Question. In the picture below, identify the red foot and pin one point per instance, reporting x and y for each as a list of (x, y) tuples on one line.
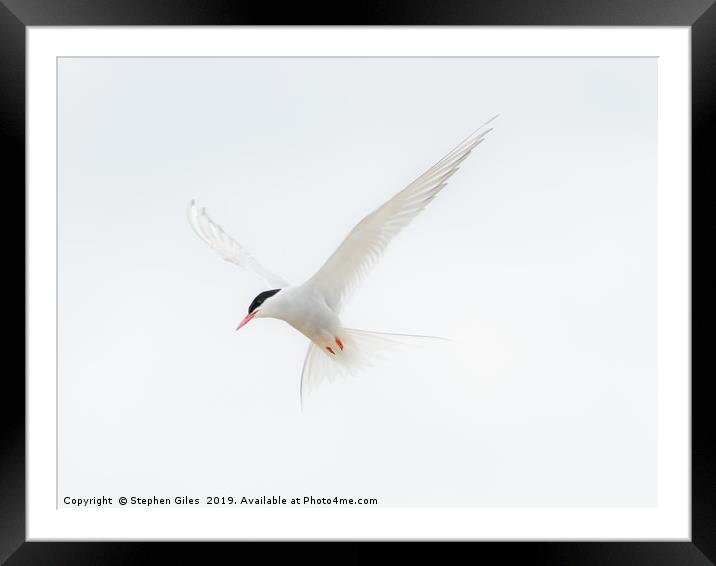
[(330, 350), (338, 341)]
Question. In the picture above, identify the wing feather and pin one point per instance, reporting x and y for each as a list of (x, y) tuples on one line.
[(228, 248), (344, 270)]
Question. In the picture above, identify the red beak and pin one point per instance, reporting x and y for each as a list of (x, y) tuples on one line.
[(247, 318)]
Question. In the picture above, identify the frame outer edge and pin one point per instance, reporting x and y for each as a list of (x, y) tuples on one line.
[(703, 108), (12, 440), (12, 412)]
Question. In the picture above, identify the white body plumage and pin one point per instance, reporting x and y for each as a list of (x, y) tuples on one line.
[(304, 307)]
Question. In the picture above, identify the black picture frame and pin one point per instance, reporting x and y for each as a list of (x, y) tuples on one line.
[(17, 15)]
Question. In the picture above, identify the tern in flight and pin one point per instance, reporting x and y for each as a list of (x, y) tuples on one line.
[(313, 307)]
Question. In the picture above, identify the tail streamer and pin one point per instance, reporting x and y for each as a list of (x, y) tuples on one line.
[(362, 349)]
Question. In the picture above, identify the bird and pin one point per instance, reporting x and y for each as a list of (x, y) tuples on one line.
[(314, 307)]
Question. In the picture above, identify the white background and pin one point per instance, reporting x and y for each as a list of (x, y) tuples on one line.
[(668, 519), (539, 259)]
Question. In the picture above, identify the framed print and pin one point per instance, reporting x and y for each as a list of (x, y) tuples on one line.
[(455, 296)]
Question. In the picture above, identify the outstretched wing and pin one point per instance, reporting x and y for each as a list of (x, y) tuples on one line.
[(345, 268), (228, 248)]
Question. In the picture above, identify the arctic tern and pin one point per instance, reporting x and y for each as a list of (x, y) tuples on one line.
[(313, 307)]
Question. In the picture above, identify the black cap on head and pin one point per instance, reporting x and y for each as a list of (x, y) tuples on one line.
[(260, 298)]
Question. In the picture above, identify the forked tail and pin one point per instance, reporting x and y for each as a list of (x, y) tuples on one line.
[(361, 349)]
